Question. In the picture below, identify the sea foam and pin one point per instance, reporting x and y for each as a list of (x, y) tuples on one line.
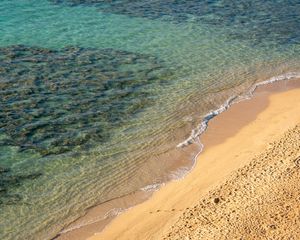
[(200, 129)]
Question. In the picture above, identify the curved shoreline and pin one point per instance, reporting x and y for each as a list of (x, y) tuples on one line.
[(130, 212), (258, 201), (202, 129), (196, 133)]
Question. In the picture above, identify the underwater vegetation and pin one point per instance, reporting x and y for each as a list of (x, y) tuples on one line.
[(55, 100), (8, 180), (256, 20)]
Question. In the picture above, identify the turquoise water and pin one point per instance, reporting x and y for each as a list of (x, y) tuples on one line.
[(96, 94)]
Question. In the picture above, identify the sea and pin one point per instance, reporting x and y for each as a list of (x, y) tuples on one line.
[(100, 99)]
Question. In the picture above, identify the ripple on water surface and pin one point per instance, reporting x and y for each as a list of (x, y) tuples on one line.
[(90, 122)]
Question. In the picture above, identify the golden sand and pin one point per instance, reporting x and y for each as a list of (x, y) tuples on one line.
[(244, 185), (258, 201)]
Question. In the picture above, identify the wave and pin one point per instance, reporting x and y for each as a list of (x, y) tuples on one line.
[(200, 129), (110, 214), (152, 187), (193, 138)]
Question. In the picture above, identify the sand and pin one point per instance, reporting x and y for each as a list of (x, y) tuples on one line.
[(259, 201), (244, 185)]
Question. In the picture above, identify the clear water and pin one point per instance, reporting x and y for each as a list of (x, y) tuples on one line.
[(94, 94)]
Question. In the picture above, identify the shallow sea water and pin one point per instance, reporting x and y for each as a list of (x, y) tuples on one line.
[(95, 96)]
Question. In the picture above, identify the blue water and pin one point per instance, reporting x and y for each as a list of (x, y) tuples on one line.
[(96, 94)]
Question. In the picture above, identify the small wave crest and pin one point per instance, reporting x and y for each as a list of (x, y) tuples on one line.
[(152, 187), (200, 129), (203, 125), (111, 213), (193, 138)]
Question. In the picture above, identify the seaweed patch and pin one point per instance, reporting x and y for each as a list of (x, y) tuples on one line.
[(55, 100), (253, 20), (9, 180)]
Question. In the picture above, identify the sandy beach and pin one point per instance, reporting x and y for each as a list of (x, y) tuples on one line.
[(244, 184), (149, 120)]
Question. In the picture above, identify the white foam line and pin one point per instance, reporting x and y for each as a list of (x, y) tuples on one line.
[(282, 77), (193, 138), (203, 125), (152, 187), (111, 213), (197, 132)]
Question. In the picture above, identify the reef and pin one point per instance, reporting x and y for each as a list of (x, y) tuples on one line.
[(9, 180), (55, 100), (257, 20)]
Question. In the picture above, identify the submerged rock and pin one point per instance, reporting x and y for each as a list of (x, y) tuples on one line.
[(256, 20), (8, 180), (55, 100)]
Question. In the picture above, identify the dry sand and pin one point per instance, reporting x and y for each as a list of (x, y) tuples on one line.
[(258, 201), (244, 185)]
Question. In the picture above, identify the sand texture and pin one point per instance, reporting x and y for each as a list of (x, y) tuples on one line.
[(259, 201), (244, 185)]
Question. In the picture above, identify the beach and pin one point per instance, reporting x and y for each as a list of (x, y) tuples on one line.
[(118, 117), (244, 183)]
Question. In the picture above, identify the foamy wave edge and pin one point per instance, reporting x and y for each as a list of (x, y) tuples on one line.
[(201, 128), (193, 138), (111, 213)]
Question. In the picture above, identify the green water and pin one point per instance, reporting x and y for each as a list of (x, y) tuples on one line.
[(94, 95)]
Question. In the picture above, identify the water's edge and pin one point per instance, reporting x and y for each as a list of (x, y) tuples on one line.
[(194, 138)]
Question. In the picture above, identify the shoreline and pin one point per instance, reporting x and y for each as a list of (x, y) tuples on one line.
[(257, 201), (169, 202), (209, 140)]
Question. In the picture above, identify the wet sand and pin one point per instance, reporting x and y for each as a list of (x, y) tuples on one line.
[(258, 201), (241, 181)]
